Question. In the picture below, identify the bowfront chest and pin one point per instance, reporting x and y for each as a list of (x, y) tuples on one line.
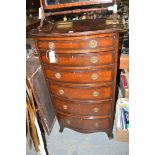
[(82, 80)]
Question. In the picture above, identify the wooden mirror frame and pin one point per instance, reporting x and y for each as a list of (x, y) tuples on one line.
[(72, 4)]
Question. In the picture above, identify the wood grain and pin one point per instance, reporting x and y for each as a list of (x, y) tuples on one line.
[(82, 82)]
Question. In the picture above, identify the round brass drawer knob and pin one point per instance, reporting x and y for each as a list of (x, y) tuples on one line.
[(68, 122), (93, 43), (58, 75), (94, 76), (96, 110), (51, 45), (97, 124), (61, 91), (93, 59), (65, 107), (95, 93)]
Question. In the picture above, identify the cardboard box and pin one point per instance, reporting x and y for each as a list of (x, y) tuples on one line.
[(122, 135)]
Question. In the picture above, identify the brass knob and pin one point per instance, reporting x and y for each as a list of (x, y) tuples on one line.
[(94, 76), (51, 45), (68, 122), (93, 59), (93, 43), (58, 75), (96, 110), (97, 124), (65, 107), (95, 93), (61, 91)]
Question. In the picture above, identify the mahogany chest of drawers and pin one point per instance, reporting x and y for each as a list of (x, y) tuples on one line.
[(82, 81)]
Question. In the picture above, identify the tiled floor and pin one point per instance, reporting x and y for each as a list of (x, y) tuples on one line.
[(73, 143)]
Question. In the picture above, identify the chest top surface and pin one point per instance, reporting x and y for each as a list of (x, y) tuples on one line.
[(75, 28)]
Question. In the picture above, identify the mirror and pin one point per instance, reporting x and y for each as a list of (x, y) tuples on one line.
[(53, 2)]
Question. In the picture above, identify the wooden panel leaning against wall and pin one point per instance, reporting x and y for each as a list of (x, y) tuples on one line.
[(36, 83)]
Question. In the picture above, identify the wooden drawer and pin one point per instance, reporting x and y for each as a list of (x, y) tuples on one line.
[(80, 76), (80, 43), (83, 108), (84, 124), (81, 92), (87, 59)]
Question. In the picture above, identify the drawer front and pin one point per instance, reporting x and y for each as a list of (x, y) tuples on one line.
[(87, 59), (84, 93), (84, 124), (59, 46), (80, 76), (83, 108)]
